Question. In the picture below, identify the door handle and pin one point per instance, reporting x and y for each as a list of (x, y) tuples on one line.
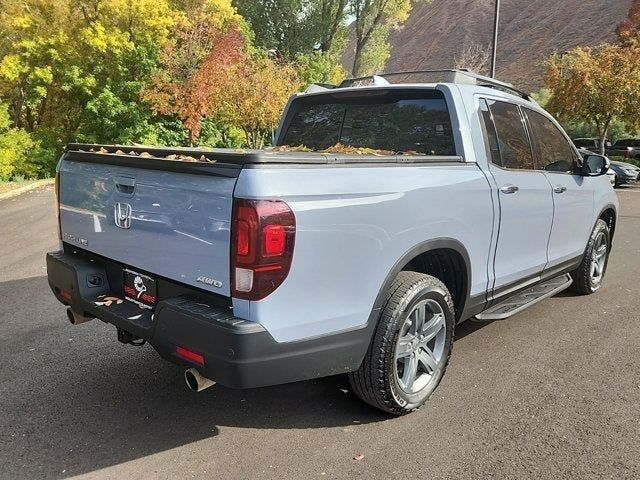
[(559, 189), (509, 189)]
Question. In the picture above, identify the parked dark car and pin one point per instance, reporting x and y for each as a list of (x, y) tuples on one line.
[(625, 147), (626, 173), (592, 144)]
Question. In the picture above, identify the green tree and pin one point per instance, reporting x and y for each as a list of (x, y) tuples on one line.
[(293, 27), (16, 147), (319, 67), (373, 20), (74, 69)]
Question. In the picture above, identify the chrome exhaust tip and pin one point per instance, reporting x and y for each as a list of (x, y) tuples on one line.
[(195, 381), (75, 318)]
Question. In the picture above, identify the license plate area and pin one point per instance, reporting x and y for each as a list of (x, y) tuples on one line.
[(140, 289)]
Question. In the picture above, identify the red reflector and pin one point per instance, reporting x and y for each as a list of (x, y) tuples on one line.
[(267, 268), (66, 295), (274, 240), (190, 355)]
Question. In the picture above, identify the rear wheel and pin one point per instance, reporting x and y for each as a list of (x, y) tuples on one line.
[(587, 278), (411, 346)]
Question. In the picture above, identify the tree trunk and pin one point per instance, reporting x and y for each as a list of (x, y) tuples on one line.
[(602, 134), (356, 71), (602, 139)]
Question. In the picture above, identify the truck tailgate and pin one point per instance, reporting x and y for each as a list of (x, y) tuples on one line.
[(173, 222)]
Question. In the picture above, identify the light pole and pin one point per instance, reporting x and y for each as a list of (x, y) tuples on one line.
[(496, 21)]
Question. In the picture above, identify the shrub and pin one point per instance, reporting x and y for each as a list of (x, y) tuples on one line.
[(16, 148)]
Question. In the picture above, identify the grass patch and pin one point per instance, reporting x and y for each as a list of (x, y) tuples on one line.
[(9, 186)]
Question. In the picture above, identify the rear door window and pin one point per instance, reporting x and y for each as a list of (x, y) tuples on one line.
[(513, 140), (490, 135), (412, 122)]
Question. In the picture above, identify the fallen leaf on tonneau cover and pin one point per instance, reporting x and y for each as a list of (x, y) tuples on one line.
[(288, 148), (348, 149)]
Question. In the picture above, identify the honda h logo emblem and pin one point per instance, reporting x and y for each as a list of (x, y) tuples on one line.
[(122, 215)]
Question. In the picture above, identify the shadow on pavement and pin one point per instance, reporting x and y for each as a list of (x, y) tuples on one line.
[(467, 328), (74, 400)]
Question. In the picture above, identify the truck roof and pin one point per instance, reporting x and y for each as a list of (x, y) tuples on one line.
[(406, 79)]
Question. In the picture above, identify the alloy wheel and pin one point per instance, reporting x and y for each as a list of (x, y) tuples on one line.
[(598, 259), (420, 349)]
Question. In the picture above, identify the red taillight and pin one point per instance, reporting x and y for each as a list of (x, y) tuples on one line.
[(273, 240), (190, 355), (263, 237)]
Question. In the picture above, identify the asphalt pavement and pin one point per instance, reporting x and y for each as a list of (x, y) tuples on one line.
[(553, 392)]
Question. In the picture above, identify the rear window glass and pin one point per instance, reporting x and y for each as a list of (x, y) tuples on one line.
[(398, 122)]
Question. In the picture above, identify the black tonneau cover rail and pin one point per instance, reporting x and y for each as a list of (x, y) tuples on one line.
[(200, 160)]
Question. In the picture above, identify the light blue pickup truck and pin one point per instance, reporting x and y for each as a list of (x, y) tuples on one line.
[(388, 211)]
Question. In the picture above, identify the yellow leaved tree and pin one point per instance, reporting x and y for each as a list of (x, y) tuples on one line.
[(596, 85), (254, 95)]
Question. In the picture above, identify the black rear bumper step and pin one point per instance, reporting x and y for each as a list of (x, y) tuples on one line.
[(238, 353)]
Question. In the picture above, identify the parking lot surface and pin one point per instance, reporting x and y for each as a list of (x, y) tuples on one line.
[(553, 392)]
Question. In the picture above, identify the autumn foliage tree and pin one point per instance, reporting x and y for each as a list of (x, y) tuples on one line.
[(599, 85), (208, 41), (629, 30), (254, 96), (193, 67)]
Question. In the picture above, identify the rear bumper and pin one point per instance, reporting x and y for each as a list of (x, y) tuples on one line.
[(238, 353)]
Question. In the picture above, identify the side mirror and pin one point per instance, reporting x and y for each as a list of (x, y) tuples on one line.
[(594, 165)]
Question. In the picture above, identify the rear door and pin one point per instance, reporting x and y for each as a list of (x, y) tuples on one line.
[(166, 223), (526, 204), (572, 194)]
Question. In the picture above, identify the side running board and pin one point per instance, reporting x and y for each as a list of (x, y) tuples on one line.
[(525, 299)]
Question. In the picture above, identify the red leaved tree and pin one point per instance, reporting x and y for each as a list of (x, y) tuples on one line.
[(629, 31), (193, 66)]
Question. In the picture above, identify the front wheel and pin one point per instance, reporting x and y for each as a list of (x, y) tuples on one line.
[(587, 278), (411, 346)]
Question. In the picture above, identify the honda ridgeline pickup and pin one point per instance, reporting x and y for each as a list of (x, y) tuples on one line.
[(385, 214)]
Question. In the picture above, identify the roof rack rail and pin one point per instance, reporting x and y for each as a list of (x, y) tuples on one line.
[(459, 76), (373, 80)]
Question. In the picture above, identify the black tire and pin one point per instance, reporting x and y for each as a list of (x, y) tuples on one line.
[(376, 381), (583, 280)]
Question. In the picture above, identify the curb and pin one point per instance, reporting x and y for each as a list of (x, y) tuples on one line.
[(27, 188)]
